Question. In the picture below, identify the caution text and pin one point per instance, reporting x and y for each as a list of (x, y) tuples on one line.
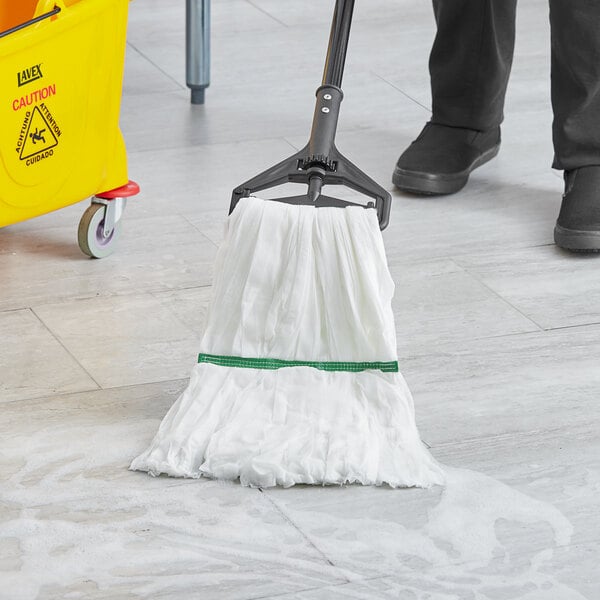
[(34, 97)]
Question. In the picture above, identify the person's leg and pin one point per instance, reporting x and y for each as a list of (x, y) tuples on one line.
[(575, 26), (470, 61), (575, 82), (469, 66)]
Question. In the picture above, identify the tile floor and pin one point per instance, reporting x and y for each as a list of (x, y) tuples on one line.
[(499, 339)]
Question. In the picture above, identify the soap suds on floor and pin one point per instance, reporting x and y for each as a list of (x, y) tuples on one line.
[(73, 518)]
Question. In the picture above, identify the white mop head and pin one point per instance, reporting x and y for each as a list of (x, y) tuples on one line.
[(297, 284)]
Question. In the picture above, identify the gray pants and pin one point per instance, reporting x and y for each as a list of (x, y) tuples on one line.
[(471, 59)]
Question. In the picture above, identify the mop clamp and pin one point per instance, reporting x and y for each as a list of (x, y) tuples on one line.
[(337, 170), (320, 163), (317, 161)]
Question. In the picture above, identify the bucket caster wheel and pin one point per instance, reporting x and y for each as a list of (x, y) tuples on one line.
[(94, 239), (100, 225)]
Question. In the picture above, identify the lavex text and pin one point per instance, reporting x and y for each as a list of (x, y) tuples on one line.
[(29, 75)]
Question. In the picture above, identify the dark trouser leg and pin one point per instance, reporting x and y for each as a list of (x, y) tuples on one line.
[(575, 82), (471, 59)]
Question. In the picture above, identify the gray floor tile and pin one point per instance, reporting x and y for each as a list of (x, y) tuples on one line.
[(558, 467), (446, 584), (253, 111), (473, 389), (41, 265), (478, 535), (154, 20), (197, 182), (552, 287), (32, 361), (404, 13), (211, 223), (190, 306), (245, 47), (78, 523), (143, 77), (123, 340), (437, 302)]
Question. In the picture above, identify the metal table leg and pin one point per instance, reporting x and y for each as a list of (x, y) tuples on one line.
[(197, 47)]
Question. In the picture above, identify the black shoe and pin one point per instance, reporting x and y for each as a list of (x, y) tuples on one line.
[(441, 159), (578, 225)]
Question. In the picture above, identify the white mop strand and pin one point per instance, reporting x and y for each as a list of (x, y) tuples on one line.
[(296, 283)]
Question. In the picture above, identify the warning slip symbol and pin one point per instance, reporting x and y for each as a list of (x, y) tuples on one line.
[(39, 136)]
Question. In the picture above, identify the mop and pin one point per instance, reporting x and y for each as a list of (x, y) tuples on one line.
[(297, 379)]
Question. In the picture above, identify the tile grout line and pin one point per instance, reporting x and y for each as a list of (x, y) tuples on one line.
[(494, 437), (577, 326), (292, 594), (495, 293), (185, 287), (482, 338), (431, 570), (543, 330), (181, 87), (117, 294), (47, 398), (175, 316), (65, 348), (324, 587), (268, 14), (201, 233), (17, 309), (232, 142), (289, 143), (289, 520), (401, 91)]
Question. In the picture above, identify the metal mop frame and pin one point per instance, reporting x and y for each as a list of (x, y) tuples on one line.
[(320, 163)]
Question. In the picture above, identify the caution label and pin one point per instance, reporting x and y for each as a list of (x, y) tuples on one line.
[(34, 97), (38, 136)]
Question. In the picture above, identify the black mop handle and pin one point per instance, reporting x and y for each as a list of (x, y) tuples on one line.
[(320, 163), (329, 95), (338, 43)]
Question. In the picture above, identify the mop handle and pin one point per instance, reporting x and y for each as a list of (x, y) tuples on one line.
[(329, 95), (338, 43), (320, 163)]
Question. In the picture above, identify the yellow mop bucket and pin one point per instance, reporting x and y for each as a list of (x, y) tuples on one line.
[(61, 73)]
